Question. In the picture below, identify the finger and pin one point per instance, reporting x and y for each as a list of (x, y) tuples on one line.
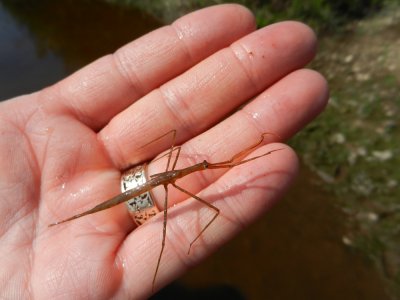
[(282, 109), (293, 107), (99, 91), (200, 97), (242, 194)]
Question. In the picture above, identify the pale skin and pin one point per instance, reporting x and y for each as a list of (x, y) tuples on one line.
[(169, 177), (62, 149)]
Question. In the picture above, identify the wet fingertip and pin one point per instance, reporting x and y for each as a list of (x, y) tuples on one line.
[(245, 21), (320, 85)]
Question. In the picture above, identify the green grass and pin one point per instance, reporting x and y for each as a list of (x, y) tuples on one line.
[(322, 15), (354, 146)]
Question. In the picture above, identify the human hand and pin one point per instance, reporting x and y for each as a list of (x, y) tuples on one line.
[(62, 149)]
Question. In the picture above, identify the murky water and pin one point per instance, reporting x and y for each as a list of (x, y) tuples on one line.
[(295, 252), (43, 41)]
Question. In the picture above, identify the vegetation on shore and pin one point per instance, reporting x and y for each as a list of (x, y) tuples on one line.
[(322, 15)]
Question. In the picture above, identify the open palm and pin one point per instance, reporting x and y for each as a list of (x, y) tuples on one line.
[(62, 150)]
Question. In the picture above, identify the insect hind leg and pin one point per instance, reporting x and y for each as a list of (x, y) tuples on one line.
[(205, 203)]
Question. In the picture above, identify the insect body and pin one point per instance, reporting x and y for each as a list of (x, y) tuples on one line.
[(169, 177)]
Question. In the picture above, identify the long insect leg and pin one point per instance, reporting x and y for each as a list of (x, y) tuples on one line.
[(172, 149), (173, 131), (176, 157), (231, 163), (205, 203), (169, 153), (245, 151), (164, 234)]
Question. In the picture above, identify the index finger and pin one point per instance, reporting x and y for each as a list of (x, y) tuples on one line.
[(107, 86)]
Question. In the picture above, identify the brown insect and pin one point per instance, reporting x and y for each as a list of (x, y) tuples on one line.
[(169, 177)]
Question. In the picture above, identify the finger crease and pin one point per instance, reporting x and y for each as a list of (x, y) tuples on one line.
[(181, 38), (176, 114), (128, 74), (245, 70)]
